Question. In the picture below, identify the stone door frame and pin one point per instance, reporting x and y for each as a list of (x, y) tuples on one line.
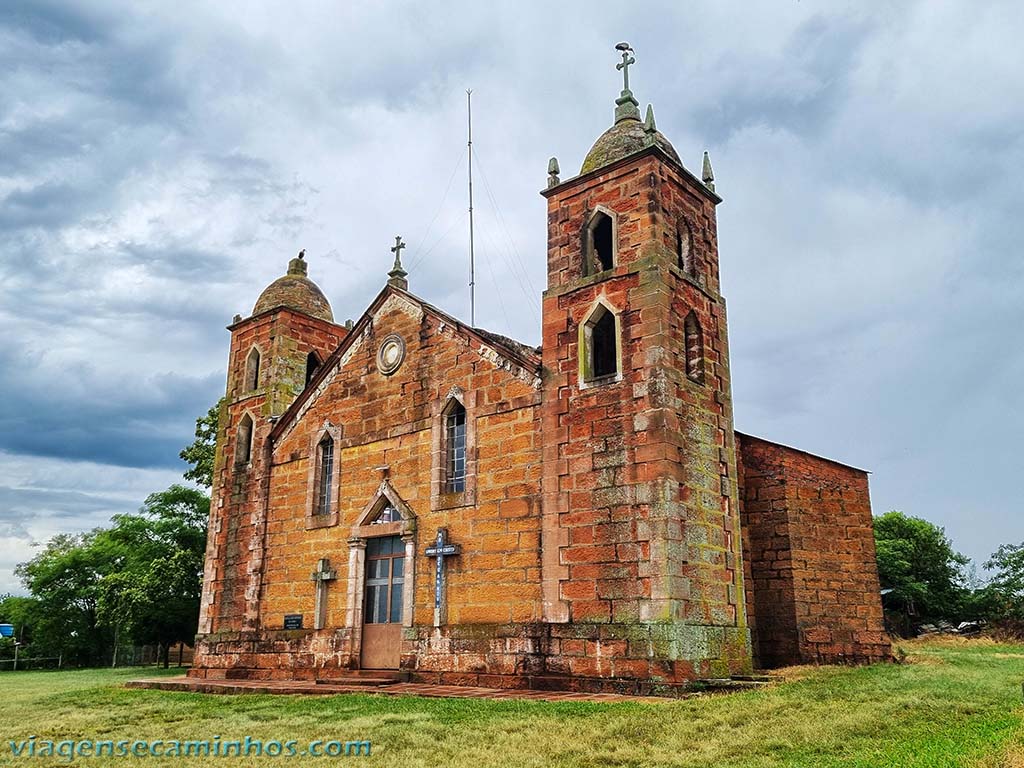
[(363, 530)]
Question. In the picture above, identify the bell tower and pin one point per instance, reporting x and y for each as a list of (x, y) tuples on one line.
[(641, 520), (274, 354)]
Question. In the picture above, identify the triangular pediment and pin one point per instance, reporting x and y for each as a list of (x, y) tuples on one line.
[(518, 360), (386, 507)]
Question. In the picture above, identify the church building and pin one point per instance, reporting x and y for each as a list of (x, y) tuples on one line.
[(431, 501)]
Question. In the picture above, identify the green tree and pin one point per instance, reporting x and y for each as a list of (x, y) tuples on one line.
[(137, 581), (152, 594), (1003, 597), (201, 454), (64, 578), (20, 612), (918, 563), (118, 606)]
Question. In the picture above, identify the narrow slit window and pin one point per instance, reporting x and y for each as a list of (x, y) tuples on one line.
[(312, 366), (325, 472), (602, 346), (252, 370), (600, 244), (684, 249), (243, 440), (455, 449), (694, 348)]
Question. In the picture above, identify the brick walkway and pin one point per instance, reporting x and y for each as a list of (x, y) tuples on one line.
[(389, 689)]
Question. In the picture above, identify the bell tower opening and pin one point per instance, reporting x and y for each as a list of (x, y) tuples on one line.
[(599, 346), (600, 244), (312, 366)]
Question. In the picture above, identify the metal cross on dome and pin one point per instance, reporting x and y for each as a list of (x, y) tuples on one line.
[(627, 59)]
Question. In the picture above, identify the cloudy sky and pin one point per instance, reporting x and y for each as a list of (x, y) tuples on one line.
[(159, 165)]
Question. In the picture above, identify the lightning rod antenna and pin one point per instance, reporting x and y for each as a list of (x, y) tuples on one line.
[(472, 256)]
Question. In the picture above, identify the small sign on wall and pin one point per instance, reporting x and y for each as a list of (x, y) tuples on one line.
[(293, 621)]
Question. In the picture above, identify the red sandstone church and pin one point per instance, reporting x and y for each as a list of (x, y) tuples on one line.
[(413, 495)]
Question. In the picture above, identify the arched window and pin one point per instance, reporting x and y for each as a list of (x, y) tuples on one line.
[(455, 448), (600, 345), (684, 249), (252, 370), (599, 244), (694, 348), (324, 476), (312, 366), (243, 440)]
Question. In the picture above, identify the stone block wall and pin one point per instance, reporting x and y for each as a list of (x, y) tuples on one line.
[(640, 508), (809, 551)]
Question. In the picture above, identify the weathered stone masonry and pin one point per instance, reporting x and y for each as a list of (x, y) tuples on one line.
[(812, 592), (614, 531)]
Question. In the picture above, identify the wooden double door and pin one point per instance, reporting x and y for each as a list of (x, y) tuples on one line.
[(382, 603)]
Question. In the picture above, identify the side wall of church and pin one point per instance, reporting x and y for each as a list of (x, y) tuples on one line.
[(812, 584)]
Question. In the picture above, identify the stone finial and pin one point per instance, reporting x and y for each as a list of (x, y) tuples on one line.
[(349, 324), (236, 319), (707, 175), (650, 128), (397, 275), (553, 172)]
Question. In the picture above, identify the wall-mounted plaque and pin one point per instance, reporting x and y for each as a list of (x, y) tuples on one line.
[(293, 621)]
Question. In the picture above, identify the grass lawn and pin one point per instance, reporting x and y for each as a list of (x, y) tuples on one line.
[(955, 703)]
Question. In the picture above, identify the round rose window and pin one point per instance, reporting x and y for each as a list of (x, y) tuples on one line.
[(391, 354)]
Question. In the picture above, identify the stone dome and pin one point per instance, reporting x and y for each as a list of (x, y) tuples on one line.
[(627, 136), (295, 291)]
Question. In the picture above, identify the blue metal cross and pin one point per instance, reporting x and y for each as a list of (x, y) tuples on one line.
[(440, 550)]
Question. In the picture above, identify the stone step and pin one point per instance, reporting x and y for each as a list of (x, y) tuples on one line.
[(758, 678), (367, 677)]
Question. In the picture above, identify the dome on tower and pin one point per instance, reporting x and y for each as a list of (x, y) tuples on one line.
[(295, 291), (623, 139)]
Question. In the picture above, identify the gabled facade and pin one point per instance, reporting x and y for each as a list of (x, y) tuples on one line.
[(417, 496)]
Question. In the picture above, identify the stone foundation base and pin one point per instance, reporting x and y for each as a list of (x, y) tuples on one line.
[(597, 658)]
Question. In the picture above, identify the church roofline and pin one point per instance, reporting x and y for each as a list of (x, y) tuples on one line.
[(654, 149), (745, 436), (523, 354), (530, 362)]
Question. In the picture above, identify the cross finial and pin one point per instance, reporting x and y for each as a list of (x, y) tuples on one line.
[(397, 275), (397, 250), (626, 107), (627, 59)]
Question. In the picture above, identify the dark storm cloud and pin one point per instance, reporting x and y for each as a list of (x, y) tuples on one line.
[(47, 205), (55, 23), (19, 505), (76, 412)]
